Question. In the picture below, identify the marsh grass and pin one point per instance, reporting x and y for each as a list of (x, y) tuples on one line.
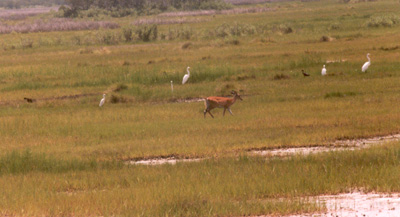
[(238, 185), (24, 162)]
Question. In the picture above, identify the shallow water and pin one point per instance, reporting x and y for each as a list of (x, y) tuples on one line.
[(358, 204), (339, 145)]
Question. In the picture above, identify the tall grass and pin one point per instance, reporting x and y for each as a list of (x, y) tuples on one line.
[(25, 162)]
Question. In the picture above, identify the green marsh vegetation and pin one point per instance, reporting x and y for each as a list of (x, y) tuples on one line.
[(64, 155)]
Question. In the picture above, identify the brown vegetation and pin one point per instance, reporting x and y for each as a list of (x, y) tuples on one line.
[(57, 24)]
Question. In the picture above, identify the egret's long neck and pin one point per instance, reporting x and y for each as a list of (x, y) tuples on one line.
[(188, 71), (369, 60)]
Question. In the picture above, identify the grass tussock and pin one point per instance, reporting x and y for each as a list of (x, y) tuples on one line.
[(281, 76), (118, 99), (339, 94)]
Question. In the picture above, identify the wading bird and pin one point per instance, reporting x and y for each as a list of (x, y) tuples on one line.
[(323, 72), (172, 86), (304, 73), (213, 102), (186, 77), (29, 100), (366, 64), (102, 101)]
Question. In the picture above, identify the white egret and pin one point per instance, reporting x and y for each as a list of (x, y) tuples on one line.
[(102, 100), (172, 86), (366, 64), (186, 77), (323, 72)]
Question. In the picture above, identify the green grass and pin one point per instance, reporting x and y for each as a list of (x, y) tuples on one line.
[(76, 148)]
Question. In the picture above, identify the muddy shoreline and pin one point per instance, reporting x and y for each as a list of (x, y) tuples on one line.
[(340, 145)]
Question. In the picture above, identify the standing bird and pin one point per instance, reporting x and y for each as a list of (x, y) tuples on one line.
[(366, 64), (304, 73), (323, 72), (186, 77), (29, 100), (102, 101), (172, 86)]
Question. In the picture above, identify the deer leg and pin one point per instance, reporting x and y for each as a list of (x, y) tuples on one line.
[(230, 111), (223, 114), (205, 112), (210, 114)]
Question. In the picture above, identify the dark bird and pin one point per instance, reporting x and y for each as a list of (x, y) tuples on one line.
[(305, 73), (29, 100)]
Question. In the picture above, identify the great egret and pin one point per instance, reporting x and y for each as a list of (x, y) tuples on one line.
[(102, 100), (323, 72), (304, 73), (186, 77), (172, 86), (366, 64)]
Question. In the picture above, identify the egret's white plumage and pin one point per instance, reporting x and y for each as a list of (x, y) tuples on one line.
[(102, 100), (366, 64), (172, 86), (323, 72), (186, 77)]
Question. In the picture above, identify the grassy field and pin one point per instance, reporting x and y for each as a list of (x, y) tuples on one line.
[(64, 155)]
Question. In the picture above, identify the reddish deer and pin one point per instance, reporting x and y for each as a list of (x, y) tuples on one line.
[(213, 102)]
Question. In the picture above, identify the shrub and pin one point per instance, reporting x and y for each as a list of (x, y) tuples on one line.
[(216, 5), (236, 29), (108, 37), (147, 32), (281, 77), (120, 87), (26, 43), (232, 41), (127, 32), (384, 21), (339, 94), (179, 33), (334, 26), (284, 29), (118, 99), (325, 38)]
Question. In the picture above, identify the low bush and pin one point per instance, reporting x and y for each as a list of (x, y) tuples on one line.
[(147, 32), (383, 21)]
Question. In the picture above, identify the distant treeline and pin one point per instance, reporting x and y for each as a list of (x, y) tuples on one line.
[(143, 6), (29, 3)]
